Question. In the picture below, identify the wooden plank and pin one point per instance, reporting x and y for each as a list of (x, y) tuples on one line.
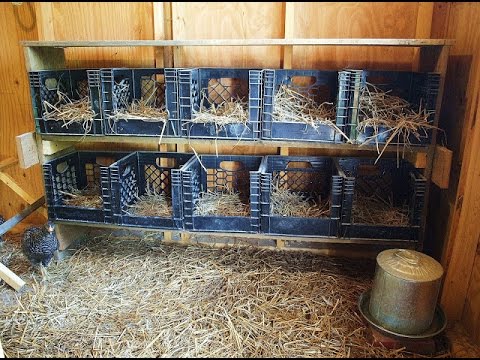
[(67, 234), (442, 162), (27, 150), (6, 163), (12, 184), (10, 223), (162, 22), (245, 42), (289, 34), (423, 26), (11, 279), (53, 147), (471, 311)]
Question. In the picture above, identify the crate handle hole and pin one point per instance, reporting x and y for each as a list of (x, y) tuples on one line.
[(303, 81), (299, 165), (62, 167), (232, 165), (166, 162), (51, 84)]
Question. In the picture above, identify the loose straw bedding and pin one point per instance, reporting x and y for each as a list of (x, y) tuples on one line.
[(391, 117), (284, 202), (89, 197), (70, 111), (212, 203), (133, 296), (378, 211), (290, 105), (151, 204)]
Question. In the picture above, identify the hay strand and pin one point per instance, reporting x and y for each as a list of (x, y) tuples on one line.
[(221, 204), (284, 202), (90, 197), (377, 211), (132, 296), (151, 204)]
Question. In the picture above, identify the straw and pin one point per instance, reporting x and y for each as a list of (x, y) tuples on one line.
[(377, 211), (132, 296), (292, 106), (285, 202), (151, 204), (220, 204), (89, 197)]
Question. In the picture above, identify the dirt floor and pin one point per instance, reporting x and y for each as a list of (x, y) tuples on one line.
[(134, 296)]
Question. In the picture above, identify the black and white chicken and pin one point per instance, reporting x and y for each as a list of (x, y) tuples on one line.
[(39, 245)]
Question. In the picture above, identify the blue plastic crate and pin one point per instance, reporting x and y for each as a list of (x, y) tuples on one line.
[(79, 170), (238, 173), (319, 86), (156, 87), (140, 172), (419, 89), (311, 177), (402, 187), (202, 88), (59, 87)]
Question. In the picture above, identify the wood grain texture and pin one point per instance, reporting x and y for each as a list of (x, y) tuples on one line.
[(104, 21), (18, 23), (228, 21), (357, 20)]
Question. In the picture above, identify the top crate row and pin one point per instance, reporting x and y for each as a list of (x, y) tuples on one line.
[(355, 106)]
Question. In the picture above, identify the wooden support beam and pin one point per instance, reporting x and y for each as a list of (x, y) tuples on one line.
[(6, 163), (442, 162), (10, 223), (289, 33), (11, 279), (27, 150), (12, 184)]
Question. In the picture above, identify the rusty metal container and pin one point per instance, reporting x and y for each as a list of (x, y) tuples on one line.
[(405, 291)]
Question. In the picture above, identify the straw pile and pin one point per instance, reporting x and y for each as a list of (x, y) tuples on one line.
[(136, 297), (375, 210), (90, 197), (292, 106), (70, 112), (140, 110), (231, 111), (285, 202), (390, 117), (151, 204), (221, 204)]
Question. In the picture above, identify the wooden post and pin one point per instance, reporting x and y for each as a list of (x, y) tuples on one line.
[(11, 278)]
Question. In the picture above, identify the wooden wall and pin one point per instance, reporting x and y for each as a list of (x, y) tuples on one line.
[(97, 21)]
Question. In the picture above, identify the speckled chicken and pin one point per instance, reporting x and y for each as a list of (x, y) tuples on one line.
[(39, 244)]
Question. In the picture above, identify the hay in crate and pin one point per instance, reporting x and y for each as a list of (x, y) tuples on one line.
[(144, 109), (229, 111), (375, 210), (390, 117), (89, 197), (211, 203), (151, 204), (133, 296), (284, 202), (70, 111), (292, 106)]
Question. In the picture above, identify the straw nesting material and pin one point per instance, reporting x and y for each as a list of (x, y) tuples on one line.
[(151, 204), (133, 296), (232, 111), (285, 202), (221, 204), (140, 110), (378, 211), (90, 197), (68, 111), (391, 116)]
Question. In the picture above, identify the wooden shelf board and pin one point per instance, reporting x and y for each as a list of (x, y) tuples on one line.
[(150, 140), (244, 42)]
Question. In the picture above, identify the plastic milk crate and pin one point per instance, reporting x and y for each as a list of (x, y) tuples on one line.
[(206, 89), (417, 91), (76, 172), (381, 201), (306, 90), (221, 174), (51, 90), (143, 174), (140, 102), (315, 179)]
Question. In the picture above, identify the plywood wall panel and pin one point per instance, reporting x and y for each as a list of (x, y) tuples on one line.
[(227, 20), (354, 20)]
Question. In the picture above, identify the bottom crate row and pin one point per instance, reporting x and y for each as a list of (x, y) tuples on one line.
[(284, 195)]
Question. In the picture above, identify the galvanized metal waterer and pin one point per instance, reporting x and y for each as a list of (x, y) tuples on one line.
[(405, 291)]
